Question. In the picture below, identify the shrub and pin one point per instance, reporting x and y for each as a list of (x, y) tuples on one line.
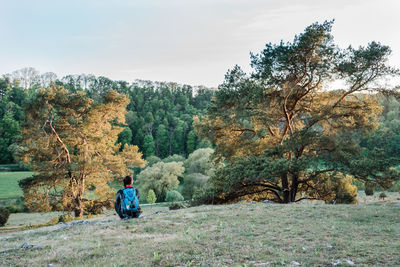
[(203, 195), (335, 188), (177, 206), (191, 183), (65, 218), (382, 196), (369, 189), (96, 207), (161, 177), (173, 196), (174, 158), (151, 197), (152, 160), (53, 221), (14, 209), (200, 162), (4, 214), (346, 192)]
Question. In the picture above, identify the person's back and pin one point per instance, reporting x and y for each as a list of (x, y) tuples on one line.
[(127, 200)]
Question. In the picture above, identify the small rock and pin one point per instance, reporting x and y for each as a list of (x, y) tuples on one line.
[(26, 245), (295, 263), (262, 263), (336, 262), (329, 246), (350, 262), (304, 248)]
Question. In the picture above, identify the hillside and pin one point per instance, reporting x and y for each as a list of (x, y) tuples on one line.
[(250, 234)]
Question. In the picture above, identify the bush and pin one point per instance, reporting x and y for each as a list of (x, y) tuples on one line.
[(161, 177), (346, 192), (203, 195), (382, 196), (16, 209), (174, 158), (65, 218), (4, 214), (335, 188), (369, 189), (177, 206), (151, 197), (200, 162), (173, 196), (191, 183), (96, 207), (152, 160)]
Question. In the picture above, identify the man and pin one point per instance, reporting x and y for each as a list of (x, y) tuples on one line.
[(127, 200)]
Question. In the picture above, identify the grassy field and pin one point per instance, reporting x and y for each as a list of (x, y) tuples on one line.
[(248, 234), (9, 189)]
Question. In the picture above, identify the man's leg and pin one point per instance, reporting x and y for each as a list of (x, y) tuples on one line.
[(138, 212)]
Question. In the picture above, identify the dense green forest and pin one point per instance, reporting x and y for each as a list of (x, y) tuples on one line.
[(159, 118)]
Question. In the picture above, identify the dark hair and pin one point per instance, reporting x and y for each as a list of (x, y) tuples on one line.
[(128, 180)]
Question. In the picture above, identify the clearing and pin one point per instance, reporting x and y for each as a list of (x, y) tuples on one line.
[(246, 234)]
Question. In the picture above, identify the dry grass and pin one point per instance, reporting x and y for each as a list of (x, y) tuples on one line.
[(231, 235)]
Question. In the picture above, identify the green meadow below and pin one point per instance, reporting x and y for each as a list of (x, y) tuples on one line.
[(242, 234), (10, 192)]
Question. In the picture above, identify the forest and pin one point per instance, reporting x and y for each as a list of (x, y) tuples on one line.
[(159, 117)]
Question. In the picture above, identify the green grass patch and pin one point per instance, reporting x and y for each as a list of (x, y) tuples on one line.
[(9, 168), (9, 188)]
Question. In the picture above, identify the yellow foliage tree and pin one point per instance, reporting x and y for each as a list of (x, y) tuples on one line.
[(70, 142)]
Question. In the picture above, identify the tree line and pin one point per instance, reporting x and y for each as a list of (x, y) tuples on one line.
[(159, 117)]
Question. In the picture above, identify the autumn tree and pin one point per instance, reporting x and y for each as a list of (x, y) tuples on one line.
[(70, 141), (284, 132)]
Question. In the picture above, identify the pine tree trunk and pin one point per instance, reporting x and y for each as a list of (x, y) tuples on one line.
[(293, 189), (285, 186), (78, 207), (78, 200)]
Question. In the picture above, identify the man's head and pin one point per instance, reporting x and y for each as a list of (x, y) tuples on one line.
[(128, 180)]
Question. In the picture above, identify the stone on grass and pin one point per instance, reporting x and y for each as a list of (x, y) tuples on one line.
[(262, 264), (337, 262)]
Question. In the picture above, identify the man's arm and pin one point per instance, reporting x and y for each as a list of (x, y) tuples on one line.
[(117, 203)]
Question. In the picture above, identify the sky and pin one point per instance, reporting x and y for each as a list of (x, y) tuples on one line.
[(185, 41)]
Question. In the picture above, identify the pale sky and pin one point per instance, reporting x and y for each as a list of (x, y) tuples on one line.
[(186, 41)]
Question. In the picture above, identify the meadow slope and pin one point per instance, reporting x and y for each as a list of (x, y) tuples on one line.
[(248, 234)]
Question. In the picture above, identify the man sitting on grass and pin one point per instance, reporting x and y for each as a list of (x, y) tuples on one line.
[(127, 201)]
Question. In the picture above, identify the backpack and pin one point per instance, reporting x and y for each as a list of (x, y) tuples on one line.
[(127, 203)]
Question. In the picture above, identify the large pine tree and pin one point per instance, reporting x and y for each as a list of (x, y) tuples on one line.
[(284, 134)]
